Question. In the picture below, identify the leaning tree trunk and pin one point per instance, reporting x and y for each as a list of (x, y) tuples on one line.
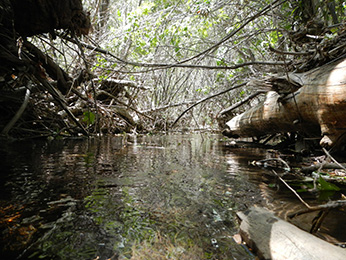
[(318, 107)]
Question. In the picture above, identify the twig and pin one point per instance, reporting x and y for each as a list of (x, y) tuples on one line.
[(53, 69), (328, 205), (121, 82), (325, 207), (288, 168), (317, 222), (323, 165), (88, 71), (332, 158), (291, 189), (20, 111), (168, 106), (268, 139), (289, 52), (230, 35), (57, 96)]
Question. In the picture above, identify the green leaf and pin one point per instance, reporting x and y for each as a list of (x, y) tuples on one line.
[(89, 117), (271, 185), (324, 185), (221, 62)]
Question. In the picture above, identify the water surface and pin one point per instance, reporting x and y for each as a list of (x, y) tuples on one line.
[(104, 198)]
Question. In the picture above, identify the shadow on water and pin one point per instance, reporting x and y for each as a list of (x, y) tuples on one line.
[(145, 197)]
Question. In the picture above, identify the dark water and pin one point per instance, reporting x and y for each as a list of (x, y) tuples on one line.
[(145, 197)]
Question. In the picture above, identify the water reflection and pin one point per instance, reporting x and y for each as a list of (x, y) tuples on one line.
[(105, 197)]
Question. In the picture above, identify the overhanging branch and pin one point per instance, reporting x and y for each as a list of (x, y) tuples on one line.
[(177, 65), (207, 98)]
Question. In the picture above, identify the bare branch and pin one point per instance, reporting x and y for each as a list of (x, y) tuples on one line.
[(241, 102), (179, 64), (332, 158), (207, 98), (291, 189), (20, 110)]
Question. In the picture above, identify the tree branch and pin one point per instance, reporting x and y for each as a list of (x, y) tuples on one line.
[(179, 64), (290, 52), (20, 110), (241, 102), (207, 98)]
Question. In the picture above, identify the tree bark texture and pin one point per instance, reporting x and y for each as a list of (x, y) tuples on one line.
[(277, 239), (318, 107), (41, 16)]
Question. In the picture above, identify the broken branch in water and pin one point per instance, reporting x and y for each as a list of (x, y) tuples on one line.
[(291, 189), (332, 158), (324, 208)]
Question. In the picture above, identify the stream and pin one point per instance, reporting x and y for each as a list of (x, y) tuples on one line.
[(146, 197)]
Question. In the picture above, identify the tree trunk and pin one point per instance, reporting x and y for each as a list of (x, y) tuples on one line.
[(40, 16), (277, 239), (318, 107)]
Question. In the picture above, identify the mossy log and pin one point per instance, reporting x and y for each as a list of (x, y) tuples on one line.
[(276, 239), (317, 108)]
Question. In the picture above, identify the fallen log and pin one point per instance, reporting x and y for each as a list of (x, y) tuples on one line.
[(276, 239), (316, 108)]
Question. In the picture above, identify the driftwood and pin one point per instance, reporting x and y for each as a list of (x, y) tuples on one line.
[(318, 107), (273, 238)]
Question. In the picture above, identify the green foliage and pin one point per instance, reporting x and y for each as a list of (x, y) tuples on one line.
[(326, 186), (242, 93), (89, 117), (169, 31), (221, 62), (274, 37)]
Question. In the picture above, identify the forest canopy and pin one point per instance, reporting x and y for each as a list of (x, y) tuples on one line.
[(76, 67)]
